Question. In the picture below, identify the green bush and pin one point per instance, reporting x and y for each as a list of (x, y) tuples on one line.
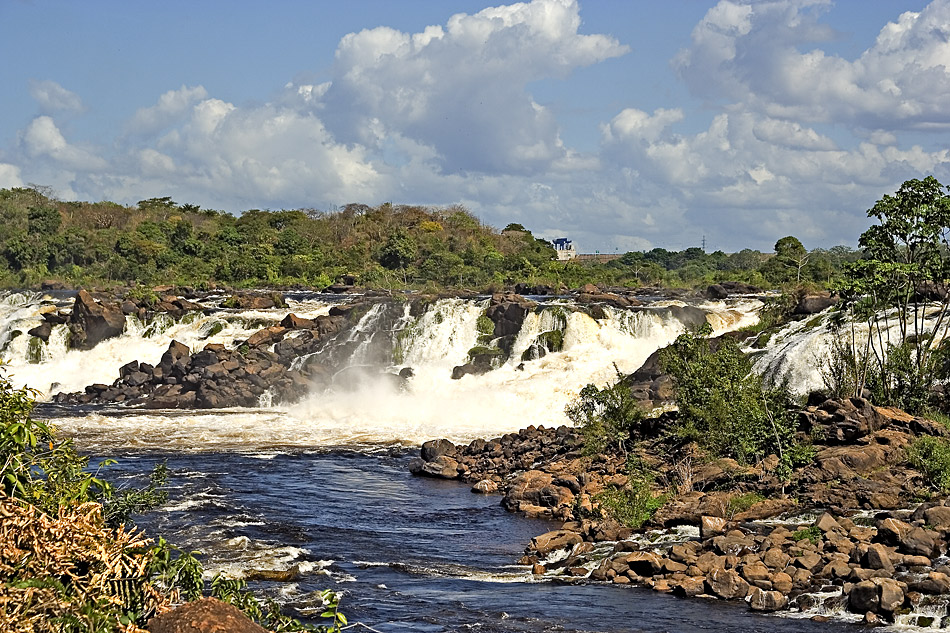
[(633, 504), (812, 534), (607, 417), (723, 405), (931, 455)]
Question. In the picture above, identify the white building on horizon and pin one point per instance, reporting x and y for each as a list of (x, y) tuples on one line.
[(565, 249)]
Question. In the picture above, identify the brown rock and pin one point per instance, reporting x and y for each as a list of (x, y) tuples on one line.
[(710, 526), (727, 584), (485, 486), (891, 592), (554, 540), (767, 601), (93, 322), (443, 467), (877, 557), (864, 597), (208, 615), (781, 582), (690, 587), (644, 563), (294, 322)]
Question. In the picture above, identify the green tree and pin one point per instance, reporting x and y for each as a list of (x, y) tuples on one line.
[(399, 251), (724, 405), (900, 290)]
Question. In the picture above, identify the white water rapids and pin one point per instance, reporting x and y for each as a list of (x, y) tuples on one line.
[(377, 412)]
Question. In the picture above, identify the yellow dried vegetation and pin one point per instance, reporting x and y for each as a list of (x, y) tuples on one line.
[(52, 569)]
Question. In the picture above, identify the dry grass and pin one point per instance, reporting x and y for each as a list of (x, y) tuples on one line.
[(53, 567)]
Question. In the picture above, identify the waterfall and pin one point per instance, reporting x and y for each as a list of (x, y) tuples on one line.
[(366, 402)]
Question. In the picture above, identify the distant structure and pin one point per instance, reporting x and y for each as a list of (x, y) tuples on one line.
[(565, 249)]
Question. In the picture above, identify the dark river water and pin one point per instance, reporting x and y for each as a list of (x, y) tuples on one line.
[(409, 554)]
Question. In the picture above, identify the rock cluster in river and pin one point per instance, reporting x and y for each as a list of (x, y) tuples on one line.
[(218, 376), (878, 565)]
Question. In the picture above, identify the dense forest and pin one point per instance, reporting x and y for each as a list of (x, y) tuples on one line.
[(388, 246)]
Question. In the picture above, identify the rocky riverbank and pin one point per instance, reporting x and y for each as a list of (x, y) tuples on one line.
[(846, 530)]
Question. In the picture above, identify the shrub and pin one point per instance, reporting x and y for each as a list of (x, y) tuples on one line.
[(606, 417), (931, 455), (812, 534), (633, 504), (723, 405)]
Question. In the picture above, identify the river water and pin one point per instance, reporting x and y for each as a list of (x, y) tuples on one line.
[(409, 554)]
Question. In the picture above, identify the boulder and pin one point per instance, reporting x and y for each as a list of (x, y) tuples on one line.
[(92, 322), (727, 584), (443, 467), (208, 615), (554, 540), (436, 448), (485, 486), (767, 601), (815, 303), (711, 526), (294, 322), (42, 331)]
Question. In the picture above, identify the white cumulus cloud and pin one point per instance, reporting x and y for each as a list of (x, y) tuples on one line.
[(461, 88), (768, 56)]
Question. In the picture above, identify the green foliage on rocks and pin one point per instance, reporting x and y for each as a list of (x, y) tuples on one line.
[(931, 455), (723, 405), (631, 505)]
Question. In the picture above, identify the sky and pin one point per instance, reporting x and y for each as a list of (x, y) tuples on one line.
[(622, 125)]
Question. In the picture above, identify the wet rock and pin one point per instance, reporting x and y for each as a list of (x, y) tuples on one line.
[(767, 601), (436, 448), (92, 322), (710, 526), (815, 303), (443, 467), (485, 486), (42, 331), (273, 575), (554, 540)]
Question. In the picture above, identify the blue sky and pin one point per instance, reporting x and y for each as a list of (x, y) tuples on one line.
[(623, 125)]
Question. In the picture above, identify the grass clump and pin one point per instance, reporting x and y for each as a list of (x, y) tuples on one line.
[(812, 534), (742, 502)]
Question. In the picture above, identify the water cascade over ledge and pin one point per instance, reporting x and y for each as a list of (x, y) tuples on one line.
[(362, 404)]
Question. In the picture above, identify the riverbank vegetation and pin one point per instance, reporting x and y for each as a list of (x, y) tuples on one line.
[(159, 241), (890, 347), (71, 561)]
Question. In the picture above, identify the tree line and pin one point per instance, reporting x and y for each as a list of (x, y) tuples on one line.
[(387, 246)]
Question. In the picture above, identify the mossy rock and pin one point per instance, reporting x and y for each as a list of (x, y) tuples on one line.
[(216, 328), (34, 350), (481, 350), (552, 340)]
